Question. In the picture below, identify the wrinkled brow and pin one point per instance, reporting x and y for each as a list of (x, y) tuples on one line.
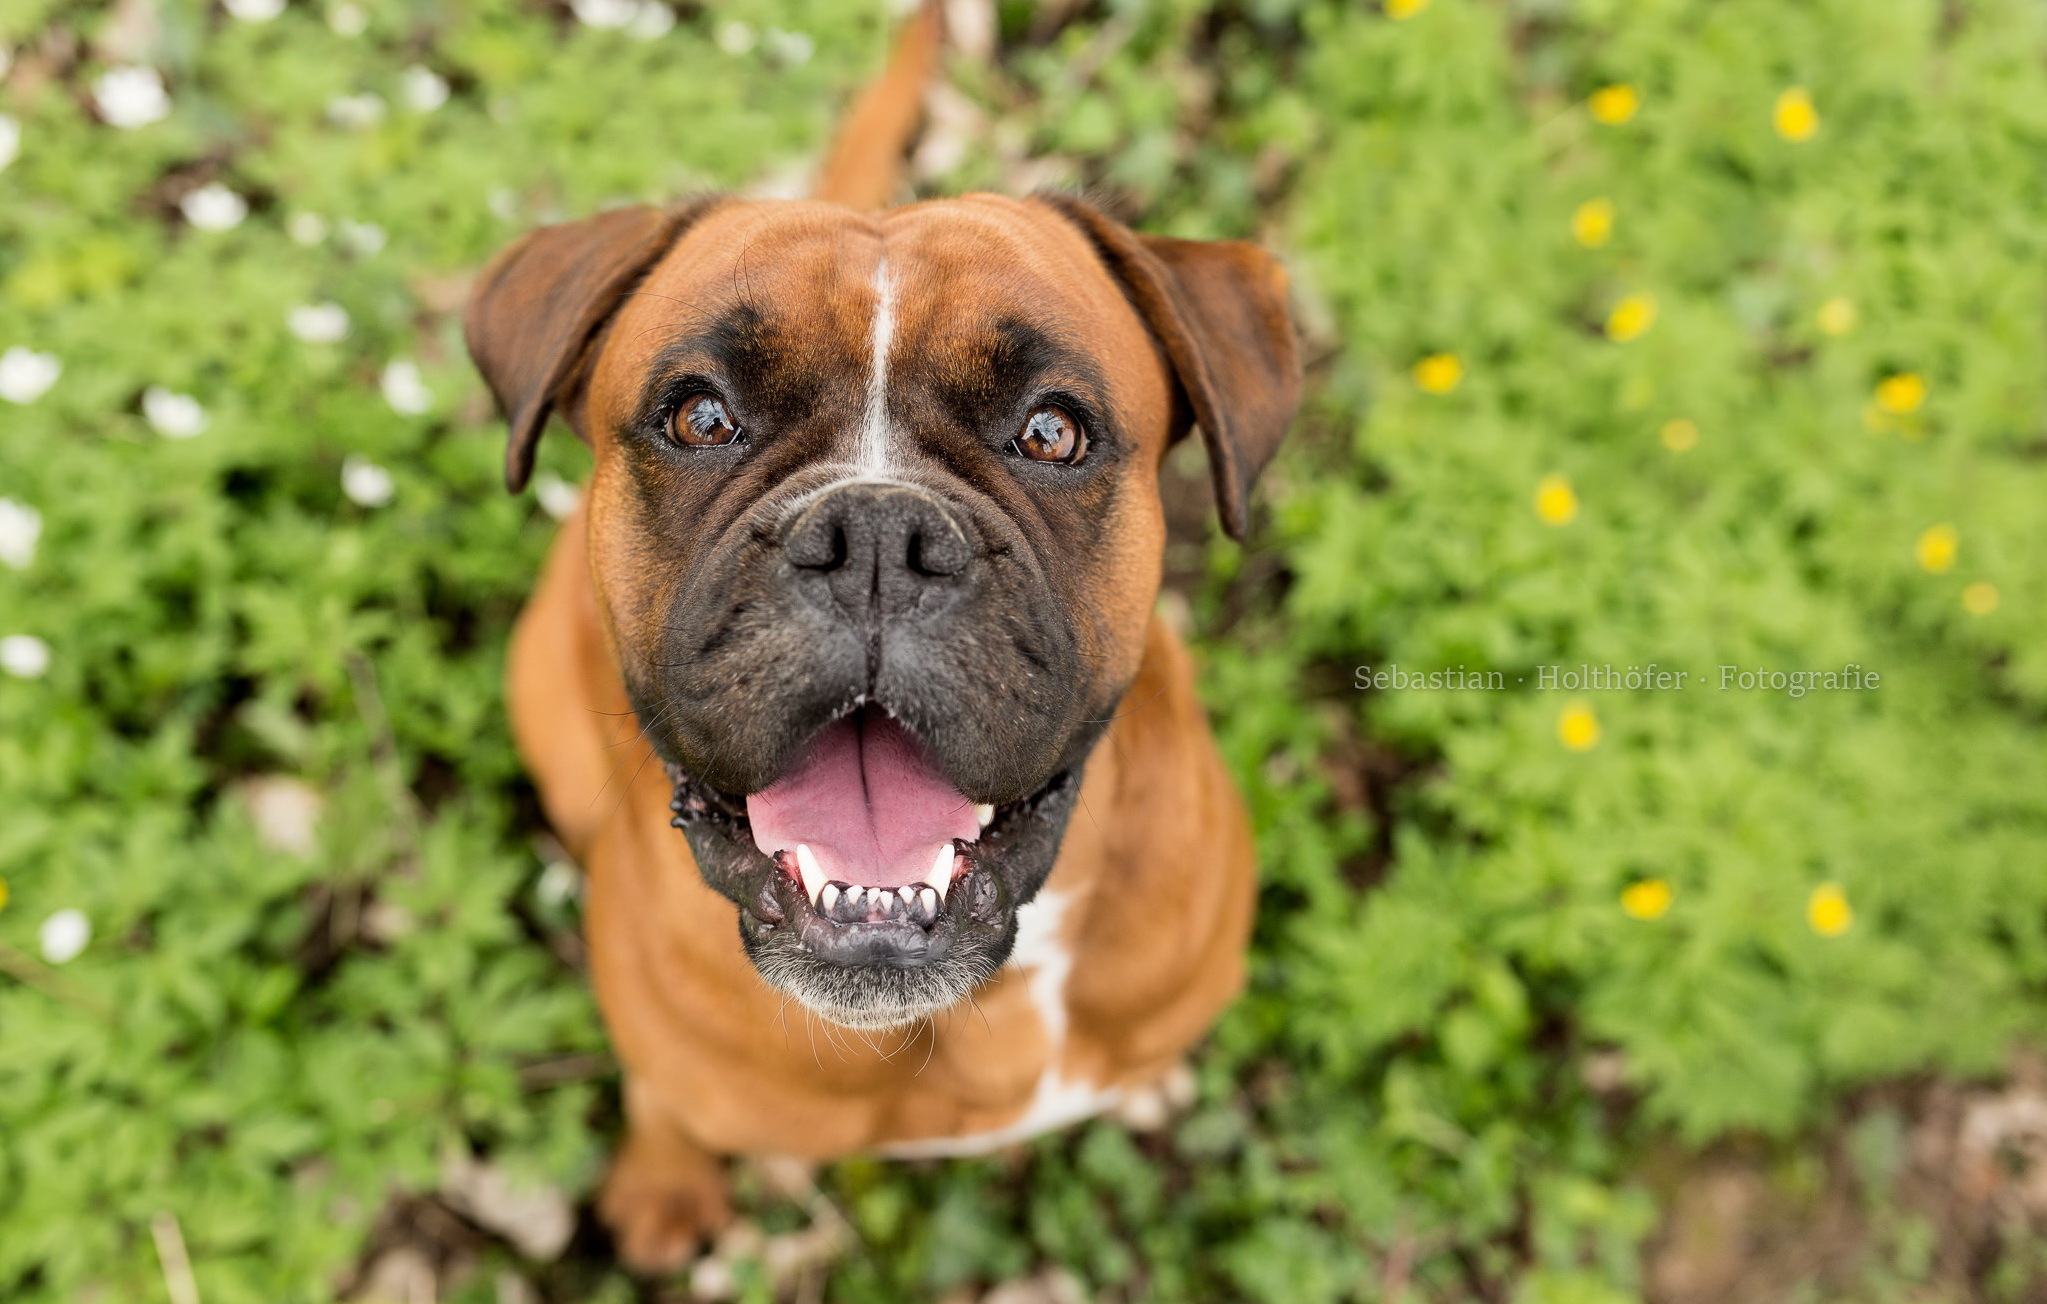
[(764, 364), (979, 378)]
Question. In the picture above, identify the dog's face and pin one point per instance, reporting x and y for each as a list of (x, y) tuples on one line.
[(876, 529)]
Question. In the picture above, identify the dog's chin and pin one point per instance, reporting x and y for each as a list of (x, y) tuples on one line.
[(855, 953), (877, 999)]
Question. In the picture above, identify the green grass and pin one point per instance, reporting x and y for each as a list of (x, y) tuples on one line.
[(269, 1045)]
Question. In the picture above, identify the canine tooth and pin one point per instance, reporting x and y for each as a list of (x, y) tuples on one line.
[(984, 813), (812, 872), (829, 897), (941, 870), (928, 899)]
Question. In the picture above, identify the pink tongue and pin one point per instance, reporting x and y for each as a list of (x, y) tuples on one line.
[(869, 803)]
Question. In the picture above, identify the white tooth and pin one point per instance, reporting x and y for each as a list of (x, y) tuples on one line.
[(829, 897), (856, 894), (941, 870), (908, 896), (812, 872), (984, 813), (930, 900)]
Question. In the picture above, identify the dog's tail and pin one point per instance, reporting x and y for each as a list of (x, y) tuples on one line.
[(865, 163)]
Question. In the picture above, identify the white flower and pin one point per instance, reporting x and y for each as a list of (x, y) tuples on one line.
[(64, 935), (348, 20), (502, 203), (356, 111), (24, 656), (319, 323), (362, 238), (557, 496), (26, 375), (404, 390), (10, 139), (422, 89), (605, 13), (254, 11), (653, 21), (792, 48), (559, 884), (174, 416), (365, 482), (307, 228), (734, 37), (131, 97), (213, 207), (20, 527), (285, 811)]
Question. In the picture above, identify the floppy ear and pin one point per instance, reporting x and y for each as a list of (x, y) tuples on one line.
[(1218, 307), (538, 304)]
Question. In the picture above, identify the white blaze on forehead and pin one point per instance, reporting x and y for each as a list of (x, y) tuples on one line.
[(872, 454)]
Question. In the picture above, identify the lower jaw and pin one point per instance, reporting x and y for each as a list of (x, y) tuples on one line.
[(879, 998)]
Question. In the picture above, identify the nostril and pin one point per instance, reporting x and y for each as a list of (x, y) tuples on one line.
[(937, 553), (818, 541)]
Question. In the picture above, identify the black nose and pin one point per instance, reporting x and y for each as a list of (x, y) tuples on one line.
[(880, 549)]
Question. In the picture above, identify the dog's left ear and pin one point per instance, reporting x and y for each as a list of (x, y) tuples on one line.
[(541, 301), (1218, 308)]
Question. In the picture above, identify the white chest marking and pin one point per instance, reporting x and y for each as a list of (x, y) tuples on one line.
[(1043, 955), (872, 455)]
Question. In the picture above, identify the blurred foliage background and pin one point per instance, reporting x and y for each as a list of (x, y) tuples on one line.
[(1696, 333)]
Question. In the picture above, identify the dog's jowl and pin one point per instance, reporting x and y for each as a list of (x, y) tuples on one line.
[(860, 601)]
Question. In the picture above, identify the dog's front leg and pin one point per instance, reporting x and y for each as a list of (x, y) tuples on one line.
[(664, 1194)]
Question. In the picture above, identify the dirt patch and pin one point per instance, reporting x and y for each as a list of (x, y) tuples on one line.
[(1929, 1190)]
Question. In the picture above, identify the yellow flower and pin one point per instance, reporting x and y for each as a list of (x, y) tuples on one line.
[(1399, 10), (1648, 899), (1592, 224), (3, 894), (1794, 116), (1828, 911), (1614, 104), (1837, 315), (1554, 500), (1631, 318), (1901, 393), (1680, 435), (1578, 728), (1438, 373), (1979, 599), (1937, 547)]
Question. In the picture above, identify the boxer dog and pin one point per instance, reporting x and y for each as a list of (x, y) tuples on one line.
[(866, 569)]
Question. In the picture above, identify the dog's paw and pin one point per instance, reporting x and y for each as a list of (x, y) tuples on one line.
[(661, 1203)]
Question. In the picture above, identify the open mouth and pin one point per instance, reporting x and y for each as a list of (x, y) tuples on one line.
[(868, 825), (870, 887)]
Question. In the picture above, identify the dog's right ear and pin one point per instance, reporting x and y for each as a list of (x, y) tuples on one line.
[(540, 302)]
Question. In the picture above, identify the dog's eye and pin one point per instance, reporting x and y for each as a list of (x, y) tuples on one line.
[(1050, 434), (702, 422)]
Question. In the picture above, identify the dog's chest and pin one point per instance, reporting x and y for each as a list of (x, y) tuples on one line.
[(1044, 955)]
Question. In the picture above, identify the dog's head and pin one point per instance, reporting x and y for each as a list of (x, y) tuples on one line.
[(876, 530)]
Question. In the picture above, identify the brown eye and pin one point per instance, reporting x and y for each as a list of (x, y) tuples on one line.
[(1050, 434), (702, 422)]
